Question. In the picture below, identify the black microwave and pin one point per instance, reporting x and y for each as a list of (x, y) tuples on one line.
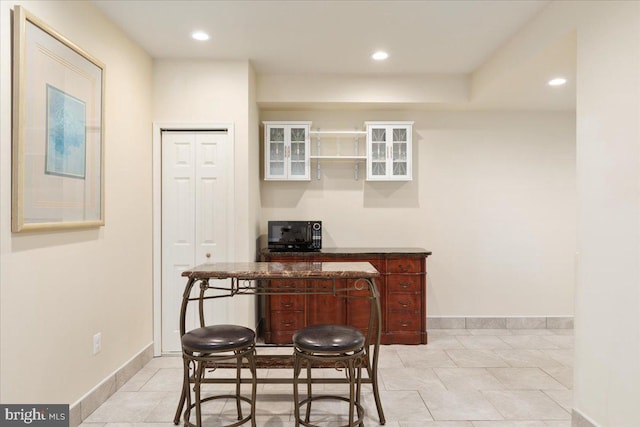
[(294, 235)]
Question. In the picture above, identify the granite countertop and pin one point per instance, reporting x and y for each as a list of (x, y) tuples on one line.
[(280, 270), (353, 251)]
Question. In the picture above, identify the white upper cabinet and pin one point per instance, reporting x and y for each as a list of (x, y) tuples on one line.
[(389, 151), (286, 151)]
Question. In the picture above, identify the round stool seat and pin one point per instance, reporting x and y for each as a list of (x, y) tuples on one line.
[(328, 338), (338, 344), (218, 338)]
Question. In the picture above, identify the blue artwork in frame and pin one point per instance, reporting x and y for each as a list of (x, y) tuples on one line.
[(57, 156), (66, 134)]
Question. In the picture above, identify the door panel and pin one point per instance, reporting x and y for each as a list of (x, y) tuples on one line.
[(194, 221), (178, 173), (210, 212)]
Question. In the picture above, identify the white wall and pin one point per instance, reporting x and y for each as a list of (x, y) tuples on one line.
[(60, 288), (253, 166), (607, 371), (493, 196), (607, 305), (280, 89), (186, 91)]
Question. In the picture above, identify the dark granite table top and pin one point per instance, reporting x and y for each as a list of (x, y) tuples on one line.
[(353, 251), (283, 270)]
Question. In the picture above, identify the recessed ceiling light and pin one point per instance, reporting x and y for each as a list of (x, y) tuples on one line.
[(200, 35), (558, 81), (380, 55)]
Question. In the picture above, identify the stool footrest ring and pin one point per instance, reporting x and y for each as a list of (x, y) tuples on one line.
[(223, 396), (358, 406)]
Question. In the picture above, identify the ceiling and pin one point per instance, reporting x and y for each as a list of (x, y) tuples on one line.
[(331, 37)]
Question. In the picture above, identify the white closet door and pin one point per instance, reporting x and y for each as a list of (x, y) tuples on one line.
[(194, 221), (211, 211)]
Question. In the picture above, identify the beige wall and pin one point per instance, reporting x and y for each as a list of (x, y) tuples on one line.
[(187, 91), (60, 288), (280, 89), (493, 196), (253, 167), (607, 372), (607, 303)]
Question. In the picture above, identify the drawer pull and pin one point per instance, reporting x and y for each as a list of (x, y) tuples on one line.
[(288, 286), (405, 285), (286, 304), (404, 324), (404, 304), (287, 323)]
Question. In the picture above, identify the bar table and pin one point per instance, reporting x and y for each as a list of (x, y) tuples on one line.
[(208, 281)]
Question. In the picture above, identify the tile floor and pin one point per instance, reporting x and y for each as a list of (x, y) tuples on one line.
[(462, 378)]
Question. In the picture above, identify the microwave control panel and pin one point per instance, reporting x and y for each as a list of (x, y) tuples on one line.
[(316, 235)]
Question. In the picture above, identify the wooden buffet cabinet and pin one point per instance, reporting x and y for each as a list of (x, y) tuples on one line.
[(402, 287)]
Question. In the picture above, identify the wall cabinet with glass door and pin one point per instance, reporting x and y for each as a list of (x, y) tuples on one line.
[(286, 154), (389, 151)]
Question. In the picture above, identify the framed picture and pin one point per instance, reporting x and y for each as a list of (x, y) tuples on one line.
[(58, 130)]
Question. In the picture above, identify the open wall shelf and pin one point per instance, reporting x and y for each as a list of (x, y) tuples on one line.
[(338, 140)]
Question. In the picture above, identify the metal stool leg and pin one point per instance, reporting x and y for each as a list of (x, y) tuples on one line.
[(309, 392), (297, 367), (373, 374), (254, 382), (183, 396), (352, 378), (238, 372), (359, 391), (197, 381), (186, 393)]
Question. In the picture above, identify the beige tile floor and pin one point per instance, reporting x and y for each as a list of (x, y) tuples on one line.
[(462, 378)]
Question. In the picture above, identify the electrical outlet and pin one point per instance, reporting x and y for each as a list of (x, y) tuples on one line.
[(97, 343)]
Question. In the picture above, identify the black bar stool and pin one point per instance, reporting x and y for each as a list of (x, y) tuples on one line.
[(206, 348), (338, 345)]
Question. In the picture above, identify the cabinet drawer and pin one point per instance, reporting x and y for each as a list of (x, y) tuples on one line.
[(403, 321), (404, 284), (377, 263), (287, 285), (404, 265), (404, 302), (286, 302), (287, 320)]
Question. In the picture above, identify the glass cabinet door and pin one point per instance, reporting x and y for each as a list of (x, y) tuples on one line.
[(286, 148), (276, 152), (399, 167), (378, 155), (389, 151), (298, 153)]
